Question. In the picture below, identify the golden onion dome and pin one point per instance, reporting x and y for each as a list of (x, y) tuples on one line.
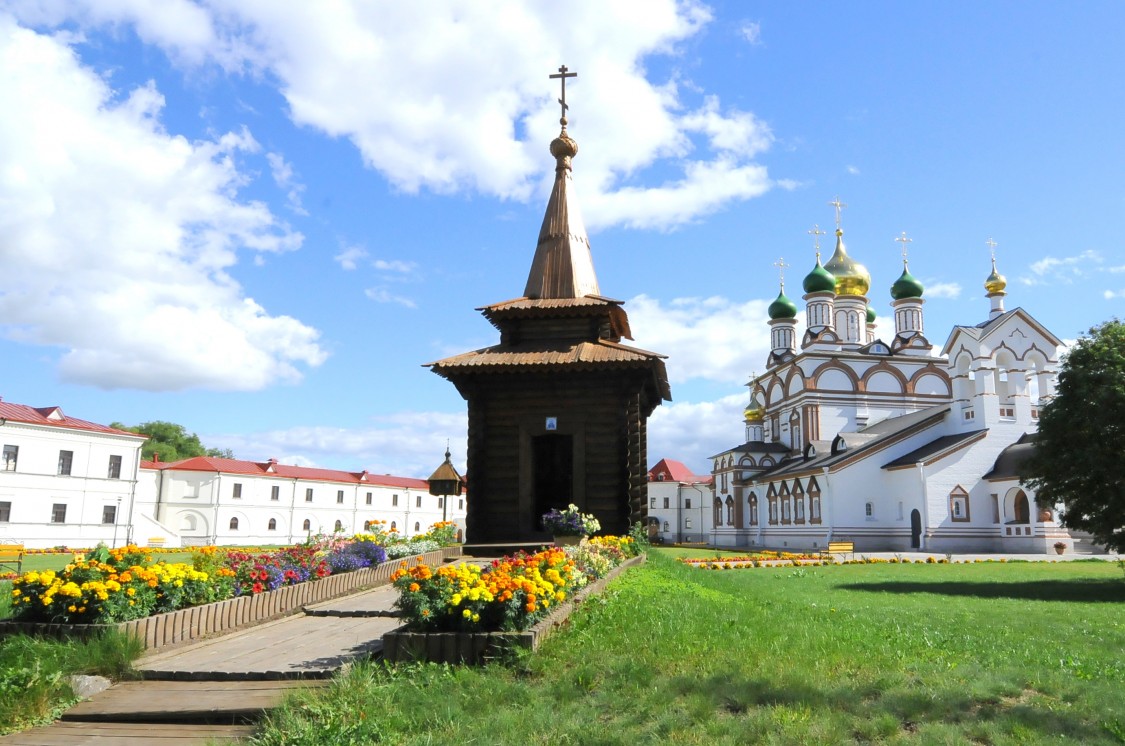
[(753, 413), (996, 282), (852, 278)]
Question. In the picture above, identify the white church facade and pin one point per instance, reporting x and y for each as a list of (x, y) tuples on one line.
[(892, 444)]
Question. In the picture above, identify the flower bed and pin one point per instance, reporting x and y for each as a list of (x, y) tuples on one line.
[(486, 608), (478, 647)]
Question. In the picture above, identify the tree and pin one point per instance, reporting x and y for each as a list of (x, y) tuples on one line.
[(171, 442), (1079, 457)]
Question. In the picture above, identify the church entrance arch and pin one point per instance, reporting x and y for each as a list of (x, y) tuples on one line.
[(1020, 509), (915, 529)]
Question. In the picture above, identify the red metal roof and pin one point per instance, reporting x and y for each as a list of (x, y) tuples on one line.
[(675, 471), (285, 471), (54, 417)]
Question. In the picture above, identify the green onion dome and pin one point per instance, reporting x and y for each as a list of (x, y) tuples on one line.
[(852, 278), (819, 280), (870, 315), (782, 307), (906, 286)]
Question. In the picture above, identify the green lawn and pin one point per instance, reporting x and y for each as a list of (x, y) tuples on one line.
[(986, 653)]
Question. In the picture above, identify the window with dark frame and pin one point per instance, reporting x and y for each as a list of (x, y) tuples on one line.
[(308, 494), (339, 497), (58, 513), (368, 498), (666, 503), (272, 525), (236, 492), (275, 492), (66, 461), (109, 514), (114, 468), (5, 511), (11, 454), (394, 500), (418, 501)]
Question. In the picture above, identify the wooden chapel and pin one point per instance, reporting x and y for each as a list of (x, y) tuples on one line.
[(557, 409)]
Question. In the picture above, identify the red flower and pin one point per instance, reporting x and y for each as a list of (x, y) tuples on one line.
[(257, 588)]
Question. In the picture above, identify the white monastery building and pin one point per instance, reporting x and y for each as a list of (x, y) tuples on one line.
[(889, 443), (677, 503), (69, 482)]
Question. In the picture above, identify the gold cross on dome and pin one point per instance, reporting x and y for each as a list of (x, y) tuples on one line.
[(991, 247), (781, 266), (562, 76), (816, 233), (839, 206), (904, 240)]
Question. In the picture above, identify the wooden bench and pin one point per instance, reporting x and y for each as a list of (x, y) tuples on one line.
[(156, 542), (839, 547), (11, 555)]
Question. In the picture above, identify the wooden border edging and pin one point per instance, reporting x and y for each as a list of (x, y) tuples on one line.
[(221, 617), (475, 648)]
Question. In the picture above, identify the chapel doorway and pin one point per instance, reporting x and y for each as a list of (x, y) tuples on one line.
[(1020, 509), (552, 473), (915, 529)]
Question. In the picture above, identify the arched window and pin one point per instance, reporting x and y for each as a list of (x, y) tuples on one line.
[(307, 525), (717, 513), (730, 511), (367, 525), (417, 526), (394, 526), (665, 526), (233, 524), (753, 509), (339, 526), (272, 524)]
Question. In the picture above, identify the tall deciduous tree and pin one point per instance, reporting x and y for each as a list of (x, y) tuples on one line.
[(171, 442), (1079, 458)]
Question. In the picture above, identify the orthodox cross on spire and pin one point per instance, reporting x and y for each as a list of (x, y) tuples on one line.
[(992, 250), (839, 206), (562, 76), (816, 233), (781, 265), (904, 240)]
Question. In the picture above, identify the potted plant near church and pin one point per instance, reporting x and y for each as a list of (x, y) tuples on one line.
[(570, 526), (1060, 547)]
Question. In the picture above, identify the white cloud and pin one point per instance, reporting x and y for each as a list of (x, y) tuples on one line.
[(943, 290), (1064, 269), (438, 114), (751, 31), (116, 237), (282, 173), (394, 265), (692, 432), (350, 256), (382, 295), (852, 170), (405, 444), (709, 338), (1110, 294)]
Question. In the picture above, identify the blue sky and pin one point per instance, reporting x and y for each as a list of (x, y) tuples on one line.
[(259, 219)]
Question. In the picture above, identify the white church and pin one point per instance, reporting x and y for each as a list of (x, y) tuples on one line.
[(889, 443)]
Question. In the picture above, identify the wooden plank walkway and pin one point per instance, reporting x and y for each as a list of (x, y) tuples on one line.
[(213, 691), (128, 734)]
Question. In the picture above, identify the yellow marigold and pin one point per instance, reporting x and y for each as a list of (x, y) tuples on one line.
[(414, 588)]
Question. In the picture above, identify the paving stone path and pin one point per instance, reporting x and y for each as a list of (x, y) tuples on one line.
[(214, 691)]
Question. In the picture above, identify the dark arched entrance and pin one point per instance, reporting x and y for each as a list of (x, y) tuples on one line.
[(915, 529), (1020, 509)]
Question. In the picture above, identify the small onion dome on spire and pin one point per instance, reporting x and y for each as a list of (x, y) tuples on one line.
[(782, 307), (563, 146), (753, 412), (996, 282), (870, 315), (852, 278), (819, 280), (906, 286)]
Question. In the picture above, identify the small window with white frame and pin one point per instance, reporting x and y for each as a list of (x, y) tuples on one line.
[(58, 513), (236, 491), (959, 504)]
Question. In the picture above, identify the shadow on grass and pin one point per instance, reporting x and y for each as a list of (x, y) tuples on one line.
[(1110, 590), (910, 707)]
